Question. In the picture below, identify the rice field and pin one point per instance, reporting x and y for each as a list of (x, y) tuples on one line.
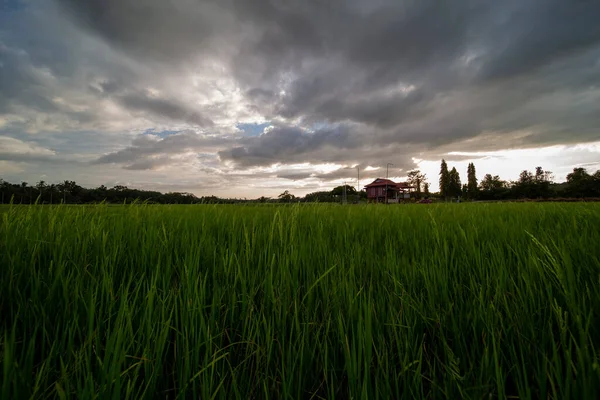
[(300, 302)]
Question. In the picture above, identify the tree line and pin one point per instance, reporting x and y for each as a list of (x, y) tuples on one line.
[(69, 192), (538, 184), (530, 185)]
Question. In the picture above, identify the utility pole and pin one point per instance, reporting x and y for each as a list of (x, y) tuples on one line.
[(358, 181), (386, 176)]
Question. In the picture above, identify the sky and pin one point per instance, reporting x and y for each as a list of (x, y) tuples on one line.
[(248, 98)]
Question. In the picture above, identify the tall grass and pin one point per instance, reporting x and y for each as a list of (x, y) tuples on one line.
[(362, 302)]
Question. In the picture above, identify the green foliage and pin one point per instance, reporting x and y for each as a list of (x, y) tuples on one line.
[(493, 188), (339, 190), (289, 302), (286, 197), (582, 184), (471, 181), (417, 179), (320, 197), (444, 180), (454, 185), (532, 185)]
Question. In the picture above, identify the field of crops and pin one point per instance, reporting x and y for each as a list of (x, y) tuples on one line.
[(302, 301)]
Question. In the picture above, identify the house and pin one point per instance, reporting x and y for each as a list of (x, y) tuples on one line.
[(387, 191)]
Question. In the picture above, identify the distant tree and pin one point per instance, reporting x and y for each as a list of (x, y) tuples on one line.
[(542, 176), (416, 179), (320, 197), (578, 175), (344, 193), (339, 190), (52, 190), (533, 185), (41, 186), (444, 180), (542, 180), (286, 197), (582, 184), (490, 183), (471, 182), (454, 185), (426, 190), (493, 188), (525, 177)]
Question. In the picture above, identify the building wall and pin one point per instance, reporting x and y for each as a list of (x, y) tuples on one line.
[(378, 191)]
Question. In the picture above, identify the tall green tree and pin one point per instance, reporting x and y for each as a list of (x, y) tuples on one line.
[(444, 180), (426, 190), (339, 190), (416, 178), (286, 197), (533, 185), (454, 185), (471, 181), (581, 184), (490, 183)]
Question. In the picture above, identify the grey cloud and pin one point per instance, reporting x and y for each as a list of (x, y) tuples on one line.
[(147, 152), (164, 108), (534, 33), (288, 144), (21, 84), (344, 144), (294, 176), (387, 79), (29, 157), (337, 62)]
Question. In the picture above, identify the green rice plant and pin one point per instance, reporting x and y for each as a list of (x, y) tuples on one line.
[(300, 301)]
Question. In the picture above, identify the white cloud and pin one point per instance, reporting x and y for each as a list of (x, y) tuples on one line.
[(13, 146)]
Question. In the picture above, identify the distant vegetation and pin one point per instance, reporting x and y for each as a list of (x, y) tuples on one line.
[(530, 185), (478, 301)]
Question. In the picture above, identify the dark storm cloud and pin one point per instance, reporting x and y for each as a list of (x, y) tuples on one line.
[(170, 109), (28, 157), (149, 151), (345, 144), (294, 176), (384, 79), (20, 83), (289, 144), (532, 34)]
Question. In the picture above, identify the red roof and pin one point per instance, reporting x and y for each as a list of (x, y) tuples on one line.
[(381, 182), (390, 184)]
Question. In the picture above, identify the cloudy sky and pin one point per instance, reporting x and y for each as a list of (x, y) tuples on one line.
[(251, 97)]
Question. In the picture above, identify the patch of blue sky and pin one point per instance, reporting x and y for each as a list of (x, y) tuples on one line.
[(252, 129), (160, 134)]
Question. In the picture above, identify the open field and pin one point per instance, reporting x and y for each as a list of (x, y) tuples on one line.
[(303, 301)]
